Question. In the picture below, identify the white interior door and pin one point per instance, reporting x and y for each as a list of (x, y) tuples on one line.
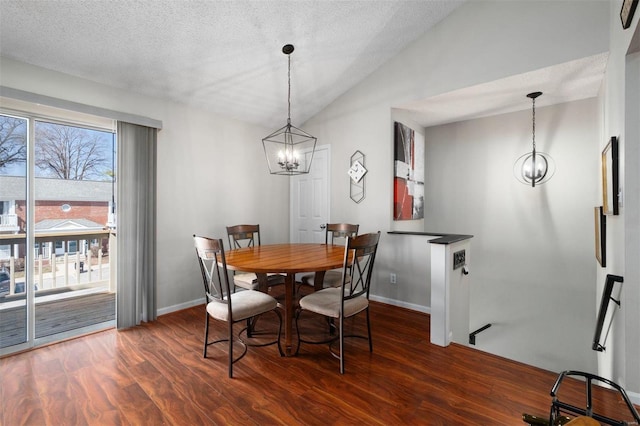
[(309, 209)]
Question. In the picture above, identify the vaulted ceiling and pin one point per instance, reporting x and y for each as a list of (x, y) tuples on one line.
[(226, 56)]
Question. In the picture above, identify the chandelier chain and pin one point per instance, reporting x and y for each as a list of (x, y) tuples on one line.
[(534, 125), (289, 93)]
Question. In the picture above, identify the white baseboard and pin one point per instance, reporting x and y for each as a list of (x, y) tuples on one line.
[(180, 306), (634, 397), (412, 306)]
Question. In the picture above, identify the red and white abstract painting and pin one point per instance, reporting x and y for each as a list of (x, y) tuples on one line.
[(408, 179)]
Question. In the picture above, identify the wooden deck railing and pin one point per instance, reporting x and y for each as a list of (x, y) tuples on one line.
[(60, 271)]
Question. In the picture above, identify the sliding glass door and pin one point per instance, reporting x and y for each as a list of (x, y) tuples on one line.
[(58, 192), (14, 131)]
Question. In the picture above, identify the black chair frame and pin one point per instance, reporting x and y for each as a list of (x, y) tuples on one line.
[(217, 289), (558, 407), (359, 258)]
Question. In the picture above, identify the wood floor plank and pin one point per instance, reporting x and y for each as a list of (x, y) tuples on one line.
[(60, 404), (89, 390), (155, 374), (19, 393), (170, 402)]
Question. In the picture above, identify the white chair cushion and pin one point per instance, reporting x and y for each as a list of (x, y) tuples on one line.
[(249, 280), (246, 280), (327, 302), (245, 304), (331, 278)]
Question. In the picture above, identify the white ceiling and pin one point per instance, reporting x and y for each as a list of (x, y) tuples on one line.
[(226, 57), (570, 81)]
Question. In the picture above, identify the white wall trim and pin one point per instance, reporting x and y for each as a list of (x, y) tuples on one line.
[(181, 306), (634, 397), (411, 306), (407, 305)]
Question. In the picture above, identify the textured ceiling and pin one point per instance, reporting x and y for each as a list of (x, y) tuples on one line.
[(224, 56)]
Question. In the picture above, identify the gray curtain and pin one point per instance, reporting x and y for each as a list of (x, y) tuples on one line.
[(136, 225)]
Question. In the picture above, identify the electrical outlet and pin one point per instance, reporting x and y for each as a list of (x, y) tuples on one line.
[(392, 278)]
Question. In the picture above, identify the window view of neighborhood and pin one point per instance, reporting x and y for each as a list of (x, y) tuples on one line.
[(73, 221)]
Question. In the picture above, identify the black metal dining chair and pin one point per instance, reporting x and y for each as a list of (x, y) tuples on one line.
[(347, 300), (249, 236), (335, 233), (231, 307)]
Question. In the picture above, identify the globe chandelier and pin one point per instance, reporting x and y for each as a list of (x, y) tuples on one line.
[(535, 167)]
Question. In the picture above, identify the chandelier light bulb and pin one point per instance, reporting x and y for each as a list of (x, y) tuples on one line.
[(534, 169)]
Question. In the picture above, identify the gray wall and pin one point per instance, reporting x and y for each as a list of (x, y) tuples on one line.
[(482, 42), (533, 248)]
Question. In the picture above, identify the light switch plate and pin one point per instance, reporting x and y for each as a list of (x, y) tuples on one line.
[(459, 259)]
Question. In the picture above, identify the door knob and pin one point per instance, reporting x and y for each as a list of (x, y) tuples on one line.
[(323, 226)]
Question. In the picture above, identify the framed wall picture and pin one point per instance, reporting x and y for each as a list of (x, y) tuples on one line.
[(408, 173), (600, 221), (610, 185), (609, 305), (626, 12)]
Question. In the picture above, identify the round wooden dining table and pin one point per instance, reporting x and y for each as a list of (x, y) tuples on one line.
[(289, 259)]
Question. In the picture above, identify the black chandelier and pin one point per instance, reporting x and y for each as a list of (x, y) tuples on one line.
[(534, 168), (289, 150)]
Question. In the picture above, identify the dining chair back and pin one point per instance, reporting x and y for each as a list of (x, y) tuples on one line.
[(335, 233), (340, 231), (243, 236), (224, 305), (348, 300), (249, 236)]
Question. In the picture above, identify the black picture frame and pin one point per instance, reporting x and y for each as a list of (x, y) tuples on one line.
[(610, 179), (598, 339), (626, 12), (600, 221)]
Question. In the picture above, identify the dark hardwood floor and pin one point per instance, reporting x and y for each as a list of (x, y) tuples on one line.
[(155, 374)]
